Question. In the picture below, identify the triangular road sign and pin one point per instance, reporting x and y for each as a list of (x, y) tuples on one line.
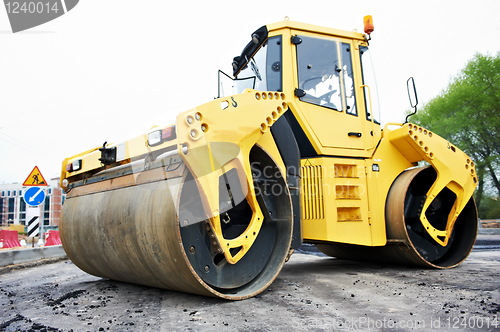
[(35, 179)]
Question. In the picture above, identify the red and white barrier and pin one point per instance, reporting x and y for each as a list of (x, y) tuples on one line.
[(53, 239), (9, 239)]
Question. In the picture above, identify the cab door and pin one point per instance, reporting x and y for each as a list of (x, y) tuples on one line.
[(326, 82)]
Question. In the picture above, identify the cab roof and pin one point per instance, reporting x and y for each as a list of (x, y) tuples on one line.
[(315, 29)]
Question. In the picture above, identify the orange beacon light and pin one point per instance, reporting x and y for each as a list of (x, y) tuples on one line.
[(368, 24)]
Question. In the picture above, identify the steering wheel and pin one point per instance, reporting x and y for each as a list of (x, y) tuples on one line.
[(309, 80), (326, 97)]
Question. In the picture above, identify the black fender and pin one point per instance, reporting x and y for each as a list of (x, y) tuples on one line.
[(290, 153)]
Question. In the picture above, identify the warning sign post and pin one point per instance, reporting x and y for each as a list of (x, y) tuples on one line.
[(35, 179)]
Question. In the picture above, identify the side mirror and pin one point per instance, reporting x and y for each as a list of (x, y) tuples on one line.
[(412, 95), (412, 92)]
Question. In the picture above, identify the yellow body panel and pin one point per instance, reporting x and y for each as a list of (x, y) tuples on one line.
[(335, 202), (344, 200), (134, 149)]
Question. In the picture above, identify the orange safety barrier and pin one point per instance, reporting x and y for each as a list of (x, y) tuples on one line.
[(9, 239), (53, 239)]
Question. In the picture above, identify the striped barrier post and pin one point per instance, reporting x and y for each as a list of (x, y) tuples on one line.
[(32, 222)]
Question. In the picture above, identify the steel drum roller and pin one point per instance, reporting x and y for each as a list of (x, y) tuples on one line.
[(136, 231), (407, 241)]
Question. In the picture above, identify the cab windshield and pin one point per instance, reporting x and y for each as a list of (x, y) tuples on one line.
[(369, 79)]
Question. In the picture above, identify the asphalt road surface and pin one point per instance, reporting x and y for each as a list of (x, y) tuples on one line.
[(312, 293)]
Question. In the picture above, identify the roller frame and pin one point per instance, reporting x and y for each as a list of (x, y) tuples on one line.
[(219, 135), (416, 144)]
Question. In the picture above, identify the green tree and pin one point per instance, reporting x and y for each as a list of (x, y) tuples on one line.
[(490, 208), (467, 113)]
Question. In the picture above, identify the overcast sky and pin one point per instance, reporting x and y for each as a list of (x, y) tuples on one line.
[(110, 70)]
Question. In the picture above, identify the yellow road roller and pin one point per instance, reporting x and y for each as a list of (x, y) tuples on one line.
[(291, 152)]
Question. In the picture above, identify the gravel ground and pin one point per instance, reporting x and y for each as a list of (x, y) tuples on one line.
[(312, 293)]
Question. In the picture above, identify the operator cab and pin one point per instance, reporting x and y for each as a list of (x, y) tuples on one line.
[(324, 72)]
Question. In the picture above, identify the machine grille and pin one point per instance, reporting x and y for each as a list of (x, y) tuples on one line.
[(312, 192)]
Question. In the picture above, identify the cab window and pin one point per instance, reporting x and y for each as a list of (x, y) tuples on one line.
[(348, 76), (319, 72), (263, 69), (370, 95)]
